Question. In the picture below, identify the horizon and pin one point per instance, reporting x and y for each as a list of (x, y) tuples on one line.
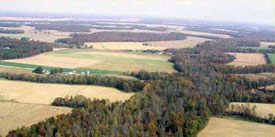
[(238, 11)]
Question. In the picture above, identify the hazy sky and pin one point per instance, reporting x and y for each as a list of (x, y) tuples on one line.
[(253, 11)]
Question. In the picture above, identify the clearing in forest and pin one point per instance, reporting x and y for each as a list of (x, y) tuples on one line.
[(189, 42), (100, 60), (14, 115), (38, 93), (262, 109), (229, 127), (247, 59)]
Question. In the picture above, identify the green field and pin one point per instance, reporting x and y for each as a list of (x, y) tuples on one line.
[(96, 62), (272, 58)]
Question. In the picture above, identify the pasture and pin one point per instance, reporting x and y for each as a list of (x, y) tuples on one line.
[(271, 58), (114, 62), (229, 127), (122, 46), (41, 35), (262, 109), (14, 115), (247, 59), (37, 93)]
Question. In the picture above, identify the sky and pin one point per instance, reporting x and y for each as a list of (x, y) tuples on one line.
[(250, 11)]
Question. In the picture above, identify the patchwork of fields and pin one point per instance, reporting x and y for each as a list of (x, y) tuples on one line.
[(112, 62), (247, 59), (41, 35), (14, 115), (228, 127)]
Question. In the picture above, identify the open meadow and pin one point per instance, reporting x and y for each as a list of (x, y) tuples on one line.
[(229, 127), (247, 59), (100, 60), (15, 115), (262, 109), (37, 93)]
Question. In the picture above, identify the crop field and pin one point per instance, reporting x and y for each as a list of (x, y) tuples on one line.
[(247, 59), (98, 60), (187, 43), (229, 127), (272, 58), (14, 115), (270, 87), (37, 93), (122, 46), (262, 109), (41, 35)]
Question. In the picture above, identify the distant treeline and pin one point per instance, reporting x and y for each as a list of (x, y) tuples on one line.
[(11, 31), (20, 48), (120, 37), (9, 25), (62, 27)]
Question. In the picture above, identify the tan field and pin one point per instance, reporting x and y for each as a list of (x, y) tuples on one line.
[(247, 59), (262, 109), (41, 35), (187, 43), (266, 44), (14, 115), (62, 62), (122, 46), (225, 30), (14, 69), (270, 87), (101, 60), (257, 76), (226, 127), (37, 93)]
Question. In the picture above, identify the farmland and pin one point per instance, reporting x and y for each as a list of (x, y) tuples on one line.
[(41, 35), (98, 60), (121, 46), (262, 110), (27, 92), (14, 115), (228, 127), (247, 59)]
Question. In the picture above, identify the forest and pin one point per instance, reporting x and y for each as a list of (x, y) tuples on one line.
[(20, 48), (176, 104), (120, 37)]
